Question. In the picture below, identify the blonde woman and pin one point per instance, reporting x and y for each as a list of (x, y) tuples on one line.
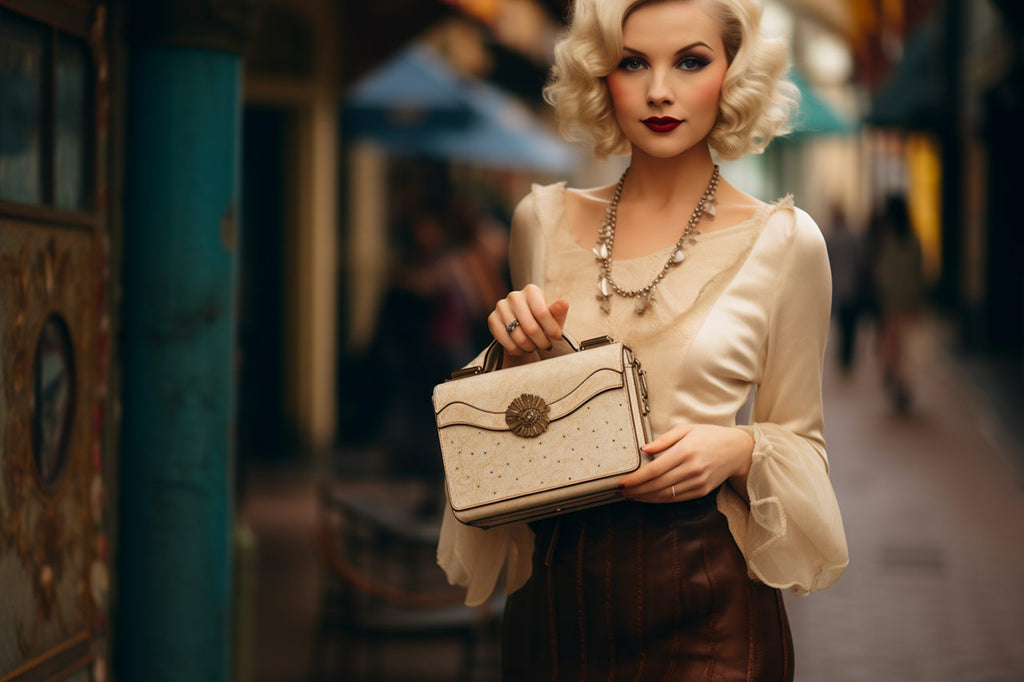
[(719, 295)]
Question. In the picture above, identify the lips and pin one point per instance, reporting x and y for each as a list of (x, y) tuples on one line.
[(664, 124)]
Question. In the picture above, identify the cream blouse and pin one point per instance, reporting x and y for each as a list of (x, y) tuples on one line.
[(747, 309)]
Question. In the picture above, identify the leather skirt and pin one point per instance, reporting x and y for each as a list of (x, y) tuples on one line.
[(638, 592)]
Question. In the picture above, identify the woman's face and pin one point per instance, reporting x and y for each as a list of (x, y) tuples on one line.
[(665, 90)]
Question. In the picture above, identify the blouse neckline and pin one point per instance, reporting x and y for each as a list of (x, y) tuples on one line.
[(760, 215)]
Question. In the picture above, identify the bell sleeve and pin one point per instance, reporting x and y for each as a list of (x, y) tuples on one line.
[(791, 533)]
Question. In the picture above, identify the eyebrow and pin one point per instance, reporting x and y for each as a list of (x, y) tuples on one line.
[(678, 52)]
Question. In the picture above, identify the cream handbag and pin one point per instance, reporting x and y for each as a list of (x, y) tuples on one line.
[(545, 438)]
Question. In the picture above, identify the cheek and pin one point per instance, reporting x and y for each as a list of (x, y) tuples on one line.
[(707, 94), (618, 91)]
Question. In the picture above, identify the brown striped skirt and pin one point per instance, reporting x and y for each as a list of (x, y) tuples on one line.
[(639, 592)]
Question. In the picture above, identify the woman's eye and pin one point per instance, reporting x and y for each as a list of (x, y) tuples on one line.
[(631, 64), (692, 63)]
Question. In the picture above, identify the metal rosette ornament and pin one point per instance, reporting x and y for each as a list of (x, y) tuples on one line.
[(527, 416)]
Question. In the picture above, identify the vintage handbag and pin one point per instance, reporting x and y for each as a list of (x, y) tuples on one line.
[(544, 438)]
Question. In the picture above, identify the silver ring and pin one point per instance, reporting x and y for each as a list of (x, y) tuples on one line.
[(673, 490), (511, 326)]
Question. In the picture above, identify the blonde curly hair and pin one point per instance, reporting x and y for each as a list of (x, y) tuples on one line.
[(756, 101)]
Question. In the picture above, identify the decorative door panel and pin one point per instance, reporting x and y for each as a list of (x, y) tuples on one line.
[(54, 341), (51, 489)]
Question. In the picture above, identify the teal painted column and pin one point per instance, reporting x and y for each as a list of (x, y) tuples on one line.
[(181, 194)]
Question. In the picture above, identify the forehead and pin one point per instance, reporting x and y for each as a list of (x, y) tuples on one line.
[(672, 20)]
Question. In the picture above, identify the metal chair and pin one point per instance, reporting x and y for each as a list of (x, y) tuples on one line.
[(383, 587)]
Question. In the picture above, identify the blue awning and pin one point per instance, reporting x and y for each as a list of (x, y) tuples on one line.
[(415, 105)]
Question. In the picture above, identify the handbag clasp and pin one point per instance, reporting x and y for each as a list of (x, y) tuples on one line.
[(466, 372), (596, 342)]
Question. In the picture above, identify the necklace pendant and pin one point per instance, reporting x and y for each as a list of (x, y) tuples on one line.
[(678, 257), (643, 302), (601, 250), (606, 303), (603, 287), (709, 209)]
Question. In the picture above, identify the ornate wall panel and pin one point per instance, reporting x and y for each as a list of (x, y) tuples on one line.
[(52, 562), (54, 341)]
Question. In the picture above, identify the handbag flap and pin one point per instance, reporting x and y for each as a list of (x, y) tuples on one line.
[(537, 427), (490, 413)]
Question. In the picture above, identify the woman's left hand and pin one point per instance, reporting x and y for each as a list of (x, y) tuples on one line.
[(691, 460)]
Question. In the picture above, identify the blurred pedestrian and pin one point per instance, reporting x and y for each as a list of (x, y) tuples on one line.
[(845, 254), (422, 318), (717, 293), (899, 284)]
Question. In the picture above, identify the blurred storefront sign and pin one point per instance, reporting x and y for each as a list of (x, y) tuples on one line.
[(415, 105)]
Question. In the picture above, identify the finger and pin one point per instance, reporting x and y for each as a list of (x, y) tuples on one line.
[(497, 329), (648, 472), (653, 486), (687, 483), (516, 342), (546, 314), (667, 439), (538, 303), (525, 320), (692, 488), (559, 310), (660, 496), (664, 496), (526, 308)]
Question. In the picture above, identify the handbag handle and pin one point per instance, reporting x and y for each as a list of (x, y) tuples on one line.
[(495, 354)]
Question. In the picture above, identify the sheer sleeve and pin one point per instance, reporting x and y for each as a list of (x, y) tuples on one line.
[(470, 556), (792, 534)]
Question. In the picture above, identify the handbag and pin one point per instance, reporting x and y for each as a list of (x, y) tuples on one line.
[(545, 438)]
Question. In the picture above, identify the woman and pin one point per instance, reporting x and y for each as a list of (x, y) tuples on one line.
[(718, 294), (899, 283)]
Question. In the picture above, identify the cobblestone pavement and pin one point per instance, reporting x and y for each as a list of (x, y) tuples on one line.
[(933, 504)]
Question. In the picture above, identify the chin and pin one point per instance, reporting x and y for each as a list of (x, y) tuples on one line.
[(664, 150)]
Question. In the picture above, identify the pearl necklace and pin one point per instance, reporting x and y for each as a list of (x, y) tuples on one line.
[(606, 240)]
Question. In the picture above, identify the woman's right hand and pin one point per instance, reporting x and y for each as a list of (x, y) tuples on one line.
[(538, 322)]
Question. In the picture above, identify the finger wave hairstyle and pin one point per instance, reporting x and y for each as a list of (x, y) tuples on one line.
[(756, 103)]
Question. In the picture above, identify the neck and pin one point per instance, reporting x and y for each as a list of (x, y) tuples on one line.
[(665, 181)]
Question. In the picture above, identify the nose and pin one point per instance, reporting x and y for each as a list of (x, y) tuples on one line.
[(659, 91)]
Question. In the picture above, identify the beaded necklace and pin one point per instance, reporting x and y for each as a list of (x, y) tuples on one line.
[(606, 284)]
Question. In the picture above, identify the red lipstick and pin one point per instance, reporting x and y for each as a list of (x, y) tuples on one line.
[(665, 124)]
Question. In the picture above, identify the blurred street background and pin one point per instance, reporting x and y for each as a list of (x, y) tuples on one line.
[(241, 240)]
